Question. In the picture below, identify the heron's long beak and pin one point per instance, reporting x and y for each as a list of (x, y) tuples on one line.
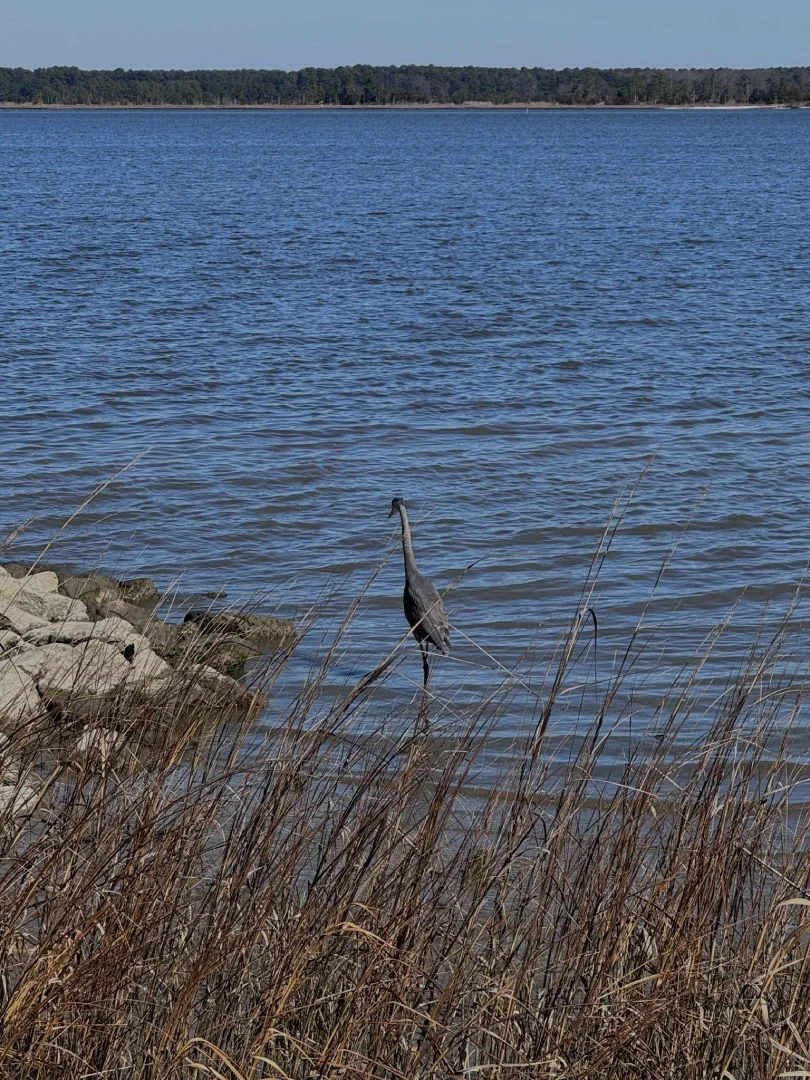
[(393, 511)]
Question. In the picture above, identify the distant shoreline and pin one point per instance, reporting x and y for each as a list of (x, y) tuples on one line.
[(480, 106)]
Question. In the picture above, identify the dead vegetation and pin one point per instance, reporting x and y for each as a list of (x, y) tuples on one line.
[(325, 896)]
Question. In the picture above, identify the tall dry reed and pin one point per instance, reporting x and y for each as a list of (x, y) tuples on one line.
[(333, 897)]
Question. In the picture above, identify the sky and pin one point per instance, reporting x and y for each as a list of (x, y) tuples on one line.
[(289, 35)]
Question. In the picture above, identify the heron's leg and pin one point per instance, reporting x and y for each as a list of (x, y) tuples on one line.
[(422, 718), (425, 663)]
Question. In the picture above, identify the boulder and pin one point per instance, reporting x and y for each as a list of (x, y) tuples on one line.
[(118, 631), (8, 639), (87, 648), (34, 661), (98, 742), (11, 590), (141, 591), (221, 689), (79, 667), (189, 645), (92, 589), (17, 620), (93, 667), (134, 614), (17, 799), (160, 634), (17, 570), (113, 630), (33, 597), (19, 700), (43, 583), (260, 629), (226, 641), (96, 590), (202, 688), (59, 608), (146, 668)]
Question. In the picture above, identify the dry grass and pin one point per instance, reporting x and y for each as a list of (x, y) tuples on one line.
[(329, 901)]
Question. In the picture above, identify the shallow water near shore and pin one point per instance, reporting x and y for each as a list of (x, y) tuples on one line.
[(294, 317)]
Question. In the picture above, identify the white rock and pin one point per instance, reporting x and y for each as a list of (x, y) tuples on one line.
[(147, 667), (69, 632), (113, 630), (10, 587), (169, 685), (37, 602), (33, 661), (8, 639), (222, 687), (90, 666), (8, 770), (98, 742), (17, 619), (58, 608), (211, 676), (118, 630), (17, 798), (44, 582), (94, 667), (52, 606), (19, 699)]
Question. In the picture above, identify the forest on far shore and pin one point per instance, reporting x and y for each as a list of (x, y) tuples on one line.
[(363, 84)]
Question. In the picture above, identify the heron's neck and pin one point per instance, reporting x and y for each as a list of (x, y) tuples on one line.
[(407, 545)]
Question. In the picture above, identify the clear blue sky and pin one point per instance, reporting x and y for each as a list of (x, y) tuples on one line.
[(294, 33)]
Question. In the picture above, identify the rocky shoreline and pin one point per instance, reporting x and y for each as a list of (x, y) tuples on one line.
[(86, 654)]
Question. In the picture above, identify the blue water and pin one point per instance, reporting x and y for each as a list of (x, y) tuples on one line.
[(295, 316)]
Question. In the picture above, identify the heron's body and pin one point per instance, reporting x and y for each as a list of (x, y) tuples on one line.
[(425, 612), (424, 609)]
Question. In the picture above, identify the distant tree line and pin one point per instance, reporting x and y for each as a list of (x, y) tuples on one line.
[(363, 84)]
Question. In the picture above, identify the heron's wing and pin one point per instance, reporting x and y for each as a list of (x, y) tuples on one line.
[(424, 610), (439, 628)]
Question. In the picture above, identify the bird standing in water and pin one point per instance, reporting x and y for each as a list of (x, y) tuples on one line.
[(424, 609)]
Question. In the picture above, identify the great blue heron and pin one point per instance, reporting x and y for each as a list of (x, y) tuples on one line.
[(424, 609)]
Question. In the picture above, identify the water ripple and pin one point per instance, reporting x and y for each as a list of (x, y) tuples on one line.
[(498, 317)]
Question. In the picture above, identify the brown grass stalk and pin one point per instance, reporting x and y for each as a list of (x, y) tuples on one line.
[(316, 897)]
